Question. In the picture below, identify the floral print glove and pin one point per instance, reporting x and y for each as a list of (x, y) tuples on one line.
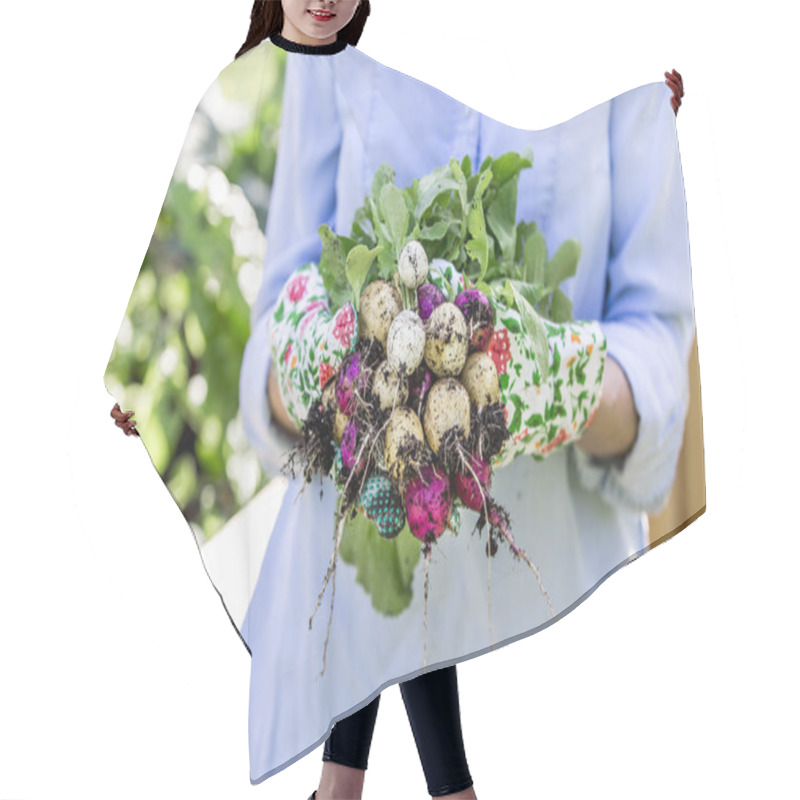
[(307, 342), (543, 413)]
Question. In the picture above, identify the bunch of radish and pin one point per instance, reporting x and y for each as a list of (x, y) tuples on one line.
[(413, 416)]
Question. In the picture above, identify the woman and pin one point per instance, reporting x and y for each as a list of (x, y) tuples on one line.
[(441, 749), (431, 699)]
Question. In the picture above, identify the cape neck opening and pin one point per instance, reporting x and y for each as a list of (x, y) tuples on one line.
[(309, 49)]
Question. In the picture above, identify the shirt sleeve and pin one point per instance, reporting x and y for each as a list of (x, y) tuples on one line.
[(302, 198), (648, 317)]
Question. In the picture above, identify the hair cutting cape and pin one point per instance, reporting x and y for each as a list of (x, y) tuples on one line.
[(281, 143)]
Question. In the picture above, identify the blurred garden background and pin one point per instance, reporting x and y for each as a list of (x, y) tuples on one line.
[(178, 354)]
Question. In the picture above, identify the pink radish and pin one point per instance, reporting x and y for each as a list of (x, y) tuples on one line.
[(428, 504), (473, 489), (479, 314)]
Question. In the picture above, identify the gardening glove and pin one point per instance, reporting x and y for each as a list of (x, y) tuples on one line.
[(307, 341), (542, 413)]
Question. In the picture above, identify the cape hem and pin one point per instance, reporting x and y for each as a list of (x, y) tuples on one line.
[(451, 661)]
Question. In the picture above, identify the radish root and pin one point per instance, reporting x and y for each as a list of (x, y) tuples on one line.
[(331, 573), (426, 549), (498, 519)]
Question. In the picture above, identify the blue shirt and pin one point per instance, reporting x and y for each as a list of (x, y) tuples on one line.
[(610, 178)]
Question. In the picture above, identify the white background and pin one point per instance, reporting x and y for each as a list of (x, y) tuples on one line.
[(120, 674)]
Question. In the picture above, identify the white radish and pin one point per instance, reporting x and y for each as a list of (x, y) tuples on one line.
[(328, 399), (446, 406), (480, 379), (405, 343), (413, 264), (404, 437), (340, 420), (447, 342), (389, 386), (329, 404), (380, 302)]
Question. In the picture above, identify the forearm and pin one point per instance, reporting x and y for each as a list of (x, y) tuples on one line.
[(613, 430), (276, 404)]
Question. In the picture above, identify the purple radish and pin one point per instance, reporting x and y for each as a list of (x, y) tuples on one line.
[(429, 295), (418, 384), (350, 380), (350, 446), (478, 312), (472, 492), (428, 504)]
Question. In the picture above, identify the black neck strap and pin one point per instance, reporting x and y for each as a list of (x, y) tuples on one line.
[(311, 49)]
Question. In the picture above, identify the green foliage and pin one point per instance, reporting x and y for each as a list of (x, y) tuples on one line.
[(468, 219), (384, 567), (357, 267), (188, 321), (332, 264)]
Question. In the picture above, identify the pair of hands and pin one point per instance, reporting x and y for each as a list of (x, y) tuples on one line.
[(549, 383)]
